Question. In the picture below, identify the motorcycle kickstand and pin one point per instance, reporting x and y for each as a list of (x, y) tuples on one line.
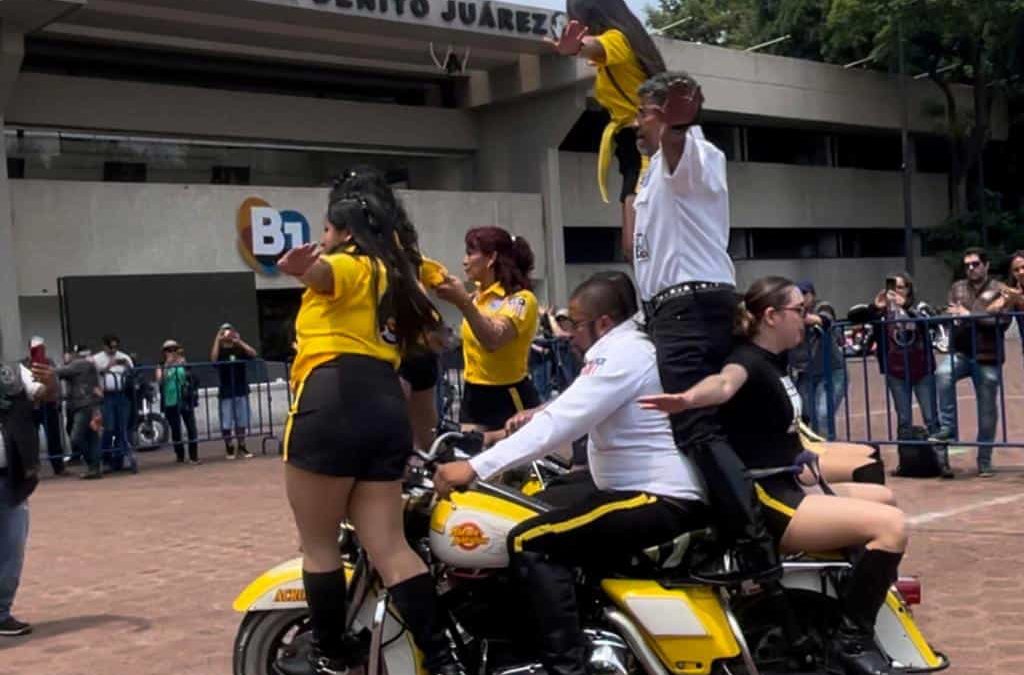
[(380, 613)]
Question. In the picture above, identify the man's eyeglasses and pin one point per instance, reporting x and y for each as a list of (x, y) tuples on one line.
[(799, 309), (974, 263), (575, 325)]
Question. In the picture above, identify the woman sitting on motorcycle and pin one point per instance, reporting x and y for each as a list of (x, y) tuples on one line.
[(348, 435), (500, 323), (760, 410)]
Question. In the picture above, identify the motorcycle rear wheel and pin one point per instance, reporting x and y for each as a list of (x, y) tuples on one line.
[(264, 636)]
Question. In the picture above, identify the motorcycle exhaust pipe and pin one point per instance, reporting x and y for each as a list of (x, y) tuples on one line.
[(631, 634)]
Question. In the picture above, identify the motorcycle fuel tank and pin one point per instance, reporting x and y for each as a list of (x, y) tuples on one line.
[(469, 529)]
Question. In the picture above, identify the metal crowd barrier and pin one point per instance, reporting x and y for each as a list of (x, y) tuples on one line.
[(266, 402), (893, 345)]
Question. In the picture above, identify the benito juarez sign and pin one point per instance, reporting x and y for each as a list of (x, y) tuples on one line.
[(478, 15)]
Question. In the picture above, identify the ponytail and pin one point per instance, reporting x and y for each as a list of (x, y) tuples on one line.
[(764, 294), (513, 260)]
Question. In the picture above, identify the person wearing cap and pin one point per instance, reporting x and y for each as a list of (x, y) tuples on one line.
[(46, 414), (178, 397), (230, 352), (85, 398)]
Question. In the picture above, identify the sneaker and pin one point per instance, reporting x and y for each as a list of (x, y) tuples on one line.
[(11, 627), (986, 472), (245, 453), (942, 436), (195, 462), (229, 455)]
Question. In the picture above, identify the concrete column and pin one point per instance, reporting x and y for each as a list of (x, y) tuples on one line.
[(12, 49), (554, 226)]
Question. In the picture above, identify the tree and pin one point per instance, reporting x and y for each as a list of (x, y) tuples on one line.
[(725, 23)]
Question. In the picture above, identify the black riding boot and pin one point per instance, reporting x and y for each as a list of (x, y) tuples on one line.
[(739, 518), (550, 592), (416, 601), (854, 642), (325, 594)]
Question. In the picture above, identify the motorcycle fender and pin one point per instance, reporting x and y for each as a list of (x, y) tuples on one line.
[(276, 589), (902, 639), (686, 627)]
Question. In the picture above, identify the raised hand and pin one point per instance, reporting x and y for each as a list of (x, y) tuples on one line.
[(683, 104), (571, 41), (299, 260)]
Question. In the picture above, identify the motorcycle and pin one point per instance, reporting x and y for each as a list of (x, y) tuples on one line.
[(150, 429), (656, 615)]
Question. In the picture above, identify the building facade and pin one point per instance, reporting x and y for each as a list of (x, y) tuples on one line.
[(173, 136)]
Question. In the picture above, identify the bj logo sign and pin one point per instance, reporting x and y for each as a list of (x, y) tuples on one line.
[(265, 234)]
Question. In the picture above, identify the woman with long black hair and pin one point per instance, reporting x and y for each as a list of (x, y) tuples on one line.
[(420, 369), (348, 434), (611, 38)]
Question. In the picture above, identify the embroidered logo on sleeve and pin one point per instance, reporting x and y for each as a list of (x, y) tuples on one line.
[(592, 366), (517, 304), (640, 249)]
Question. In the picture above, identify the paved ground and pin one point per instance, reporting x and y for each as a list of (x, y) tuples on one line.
[(136, 574)]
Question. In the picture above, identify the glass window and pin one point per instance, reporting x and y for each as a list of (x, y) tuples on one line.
[(876, 152), (593, 245), (124, 172), (787, 146)]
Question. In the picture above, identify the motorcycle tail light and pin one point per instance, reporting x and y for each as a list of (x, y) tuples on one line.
[(910, 589)]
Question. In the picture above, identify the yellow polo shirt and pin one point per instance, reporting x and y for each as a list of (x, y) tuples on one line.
[(621, 63), (345, 320), (507, 365)]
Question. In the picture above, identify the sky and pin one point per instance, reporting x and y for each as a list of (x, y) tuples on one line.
[(636, 5)]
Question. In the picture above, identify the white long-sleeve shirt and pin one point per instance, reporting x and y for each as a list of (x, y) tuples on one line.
[(630, 449), (682, 220)]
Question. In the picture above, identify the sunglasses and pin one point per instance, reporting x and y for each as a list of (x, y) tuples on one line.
[(974, 263)]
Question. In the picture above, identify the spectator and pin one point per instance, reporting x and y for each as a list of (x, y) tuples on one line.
[(84, 401), (114, 367), (1012, 294), (905, 357), (976, 351), (230, 352), (19, 475), (819, 364), (47, 414), (179, 398)]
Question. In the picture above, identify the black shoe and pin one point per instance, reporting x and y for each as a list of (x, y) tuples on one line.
[(947, 473), (11, 627), (550, 591), (857, 652), (312, 662), (416, 600), (92, 474)]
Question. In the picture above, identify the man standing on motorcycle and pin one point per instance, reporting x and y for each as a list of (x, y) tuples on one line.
[(649, 492), (687, 281)]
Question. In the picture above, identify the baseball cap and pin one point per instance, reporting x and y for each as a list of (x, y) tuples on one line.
[(170, 344), (806, 286), (226, 326), (36, 341)]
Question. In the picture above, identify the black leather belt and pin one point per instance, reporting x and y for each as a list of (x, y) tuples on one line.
[(680, 290)]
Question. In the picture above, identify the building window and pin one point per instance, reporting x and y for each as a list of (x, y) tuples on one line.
[(872, 244), (810, 244), (881, 152), (723, 137), (124, 172), (15, 167), (787, 146), (593, 245), (931, 154), (739, 244), (230, 175)]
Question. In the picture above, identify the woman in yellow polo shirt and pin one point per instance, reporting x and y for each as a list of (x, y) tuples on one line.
[(348, 434), (612, 39), (499, 324)]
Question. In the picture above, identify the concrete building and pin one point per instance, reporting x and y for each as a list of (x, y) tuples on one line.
[(138, 133)]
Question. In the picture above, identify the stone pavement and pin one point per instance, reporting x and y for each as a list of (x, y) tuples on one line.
[(136, 574)]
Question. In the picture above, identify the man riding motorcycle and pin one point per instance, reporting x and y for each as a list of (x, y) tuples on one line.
[(648, 492)]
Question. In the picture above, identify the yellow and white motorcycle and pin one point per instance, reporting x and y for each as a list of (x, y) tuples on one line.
[(652, 616)]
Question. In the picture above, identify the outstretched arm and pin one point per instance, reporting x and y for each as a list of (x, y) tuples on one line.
[(713, 390)]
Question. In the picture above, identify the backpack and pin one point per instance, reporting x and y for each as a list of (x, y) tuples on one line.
[(918, 460)]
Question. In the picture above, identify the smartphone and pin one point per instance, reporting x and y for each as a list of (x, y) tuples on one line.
[(37, 354), (890, 283)]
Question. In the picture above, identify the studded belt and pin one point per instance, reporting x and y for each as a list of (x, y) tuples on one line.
[(680, 290)]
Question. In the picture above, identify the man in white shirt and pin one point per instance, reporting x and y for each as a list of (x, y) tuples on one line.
[(114, 367), (649, 492), (681, 259), (20, 389)]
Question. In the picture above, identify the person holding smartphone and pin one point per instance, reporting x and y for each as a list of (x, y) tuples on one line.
[(230, 352), (178, 388), (115, 366), (46, 414), (687, 282)]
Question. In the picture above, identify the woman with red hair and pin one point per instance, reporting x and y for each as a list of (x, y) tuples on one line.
[(500, 322)]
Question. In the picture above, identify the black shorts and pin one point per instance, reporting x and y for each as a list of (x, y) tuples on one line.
[(490, 406), (421, 370), (780, 496), (629, 160), (349, 418)]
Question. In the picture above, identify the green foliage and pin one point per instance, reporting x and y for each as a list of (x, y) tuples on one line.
[(726, 23), (1005, 234)]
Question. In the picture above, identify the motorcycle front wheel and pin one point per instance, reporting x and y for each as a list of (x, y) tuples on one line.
[(150, 432), (265, 636)]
